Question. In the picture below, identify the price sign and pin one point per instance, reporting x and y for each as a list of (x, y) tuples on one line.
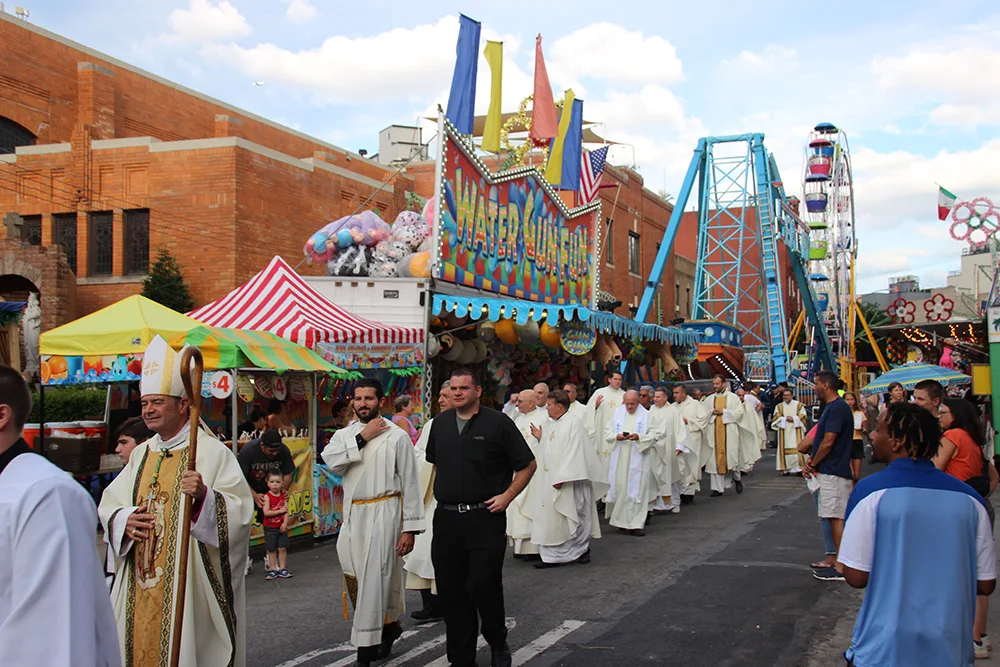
[(244, 388), (279, 386), (222, 384)]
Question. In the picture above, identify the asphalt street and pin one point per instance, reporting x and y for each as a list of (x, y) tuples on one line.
[(724, 583)]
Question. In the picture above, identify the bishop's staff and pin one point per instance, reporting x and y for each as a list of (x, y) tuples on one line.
[(191, 378)]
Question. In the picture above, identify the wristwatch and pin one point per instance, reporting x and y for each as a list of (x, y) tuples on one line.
[(360, 440)]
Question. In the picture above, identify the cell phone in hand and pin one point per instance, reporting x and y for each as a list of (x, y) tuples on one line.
[(626, 433)]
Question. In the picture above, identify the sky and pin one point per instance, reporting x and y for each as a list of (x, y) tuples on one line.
[(913, 84)]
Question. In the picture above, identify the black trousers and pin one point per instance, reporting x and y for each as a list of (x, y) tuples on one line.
[(468, 552)]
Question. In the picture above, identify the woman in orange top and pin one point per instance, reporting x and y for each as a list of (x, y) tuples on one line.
[(961, 451)]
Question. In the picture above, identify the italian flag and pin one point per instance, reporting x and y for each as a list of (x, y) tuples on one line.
[(946, 202)]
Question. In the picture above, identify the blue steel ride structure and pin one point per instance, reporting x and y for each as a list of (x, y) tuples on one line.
[(743, 213)]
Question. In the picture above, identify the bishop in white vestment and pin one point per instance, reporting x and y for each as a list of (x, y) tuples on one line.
[(725, 410), (630, 474), (140, 512), (600, 409), (790, 423), (383, 509), (564, 506), (667, 421), (696, 420), (519, 511)]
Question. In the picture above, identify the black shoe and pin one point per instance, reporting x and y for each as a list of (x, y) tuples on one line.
[(390, 633), (687, 500), (500, 657), (367, 655), (584, 559), (716, 494), (426, 616), (600, 506), (638, 532), (739, 486), (531, 557), (542, 565)]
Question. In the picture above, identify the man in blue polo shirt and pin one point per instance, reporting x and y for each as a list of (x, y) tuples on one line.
[(831, 462), (920, 541)]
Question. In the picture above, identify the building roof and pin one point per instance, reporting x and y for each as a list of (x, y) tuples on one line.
[(278, 300)]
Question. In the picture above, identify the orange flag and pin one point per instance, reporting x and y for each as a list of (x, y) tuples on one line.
[(544, 120)]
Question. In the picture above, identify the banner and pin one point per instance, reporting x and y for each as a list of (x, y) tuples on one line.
[(300, 493), (361, 356), (59, 370), (510, 233), (328, 501)]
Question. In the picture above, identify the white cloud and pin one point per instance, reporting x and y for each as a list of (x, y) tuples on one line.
[(206, 21), (300, 11), (651, 105), (773, 60), (609, 52)]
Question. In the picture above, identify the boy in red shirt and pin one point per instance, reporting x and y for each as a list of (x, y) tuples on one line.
[(276, 527)]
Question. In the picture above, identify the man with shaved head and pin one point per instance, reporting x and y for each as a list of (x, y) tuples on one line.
[(630, 466), (528, 416), (541, 395)]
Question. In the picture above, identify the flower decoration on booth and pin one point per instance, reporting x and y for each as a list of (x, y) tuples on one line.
[(975, 221), (902, 311), (938, 308)]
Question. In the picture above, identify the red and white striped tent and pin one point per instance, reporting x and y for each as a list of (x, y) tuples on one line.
[(278, 300)]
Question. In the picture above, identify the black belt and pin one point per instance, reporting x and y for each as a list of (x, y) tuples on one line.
[(462, 508)]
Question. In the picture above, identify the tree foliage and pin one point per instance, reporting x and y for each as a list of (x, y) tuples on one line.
[(165, 283)]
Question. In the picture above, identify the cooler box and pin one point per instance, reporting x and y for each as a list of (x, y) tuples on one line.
[(96, 429), (77, 454)]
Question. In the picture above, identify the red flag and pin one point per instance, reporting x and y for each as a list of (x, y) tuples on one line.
[(544, 120)]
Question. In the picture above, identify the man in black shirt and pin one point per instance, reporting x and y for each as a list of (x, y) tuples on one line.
[(476, 451), (261, 456)]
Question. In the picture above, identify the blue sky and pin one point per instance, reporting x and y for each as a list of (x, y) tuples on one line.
[(912, 83)]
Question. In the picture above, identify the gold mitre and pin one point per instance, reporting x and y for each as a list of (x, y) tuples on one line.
[(161, 370)]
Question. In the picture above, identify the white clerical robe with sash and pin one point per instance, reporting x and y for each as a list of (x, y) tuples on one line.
[(578, 410), (214, 630), (723, 433), (519, 510), (668, 423), (698, 450), (790, 423), (598, 419), (757, 407), (382, 499), (751, 432), (417, 563), (54, 606), (630, 473), (565, 519)]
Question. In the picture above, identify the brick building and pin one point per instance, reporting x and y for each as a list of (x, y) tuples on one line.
[(101, 164)]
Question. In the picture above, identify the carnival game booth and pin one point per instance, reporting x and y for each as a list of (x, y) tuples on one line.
[(100, 353)]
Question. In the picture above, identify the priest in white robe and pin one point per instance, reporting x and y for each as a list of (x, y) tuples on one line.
[(564, 513), (54, 605), (696, 420), (751, 432), (383, 511), (519, 511), (578, 410), (790, 422), (630, 474), (417, 563), (757, 408), (725, 410), (600, 409), (140, 512), (666, 420)]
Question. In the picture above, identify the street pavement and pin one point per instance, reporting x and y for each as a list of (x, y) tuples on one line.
[(724, 583)]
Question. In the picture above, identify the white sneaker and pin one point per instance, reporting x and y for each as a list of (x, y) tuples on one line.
[(675, 510), (246, 573), (982, 652), (986, 642)]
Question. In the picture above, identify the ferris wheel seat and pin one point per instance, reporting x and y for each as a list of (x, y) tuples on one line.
[(817, 250), (818, 224), (826, 128), (818, 277), (816, 202)]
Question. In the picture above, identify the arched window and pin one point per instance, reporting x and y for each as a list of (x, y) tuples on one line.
[(13, 135)]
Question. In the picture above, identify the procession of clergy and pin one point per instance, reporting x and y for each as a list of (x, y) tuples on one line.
[(633, 451)]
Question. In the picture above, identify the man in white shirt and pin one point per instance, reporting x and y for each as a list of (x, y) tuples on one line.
[(54, 604)]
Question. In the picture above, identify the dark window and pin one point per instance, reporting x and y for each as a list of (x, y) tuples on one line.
[(688, 298), (31, 229), (64, 233), (610, 242), (634, 258), (100, 250), (677, 296), (137, 241), (13, 135)]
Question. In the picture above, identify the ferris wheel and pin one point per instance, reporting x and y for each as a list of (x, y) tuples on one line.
[(829, 196)]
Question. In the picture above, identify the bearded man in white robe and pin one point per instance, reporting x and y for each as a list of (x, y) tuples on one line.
[(666, 419), (578, 410), (725, 411), (383, 511), (696, 420), (564, 510), (600, 410), (418, 565), (519, 511), (140, 512), (751, 432), (790, 422), (630, 474)]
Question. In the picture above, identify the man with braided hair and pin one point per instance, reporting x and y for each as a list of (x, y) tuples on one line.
[(934, 551)]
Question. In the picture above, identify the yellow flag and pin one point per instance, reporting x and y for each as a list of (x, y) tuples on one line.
[(553, 172), (491, 133)]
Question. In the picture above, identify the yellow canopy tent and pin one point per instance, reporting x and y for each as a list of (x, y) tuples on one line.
[(238, 348)]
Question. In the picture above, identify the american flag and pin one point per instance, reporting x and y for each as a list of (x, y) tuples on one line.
[(591, 170)]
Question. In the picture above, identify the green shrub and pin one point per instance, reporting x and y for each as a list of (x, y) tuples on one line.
[(68, 404)]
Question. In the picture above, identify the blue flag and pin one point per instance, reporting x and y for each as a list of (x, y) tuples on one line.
[(462, 99), (573, 149)]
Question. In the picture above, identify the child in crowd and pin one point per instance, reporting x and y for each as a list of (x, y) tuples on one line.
[(276, 527)]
